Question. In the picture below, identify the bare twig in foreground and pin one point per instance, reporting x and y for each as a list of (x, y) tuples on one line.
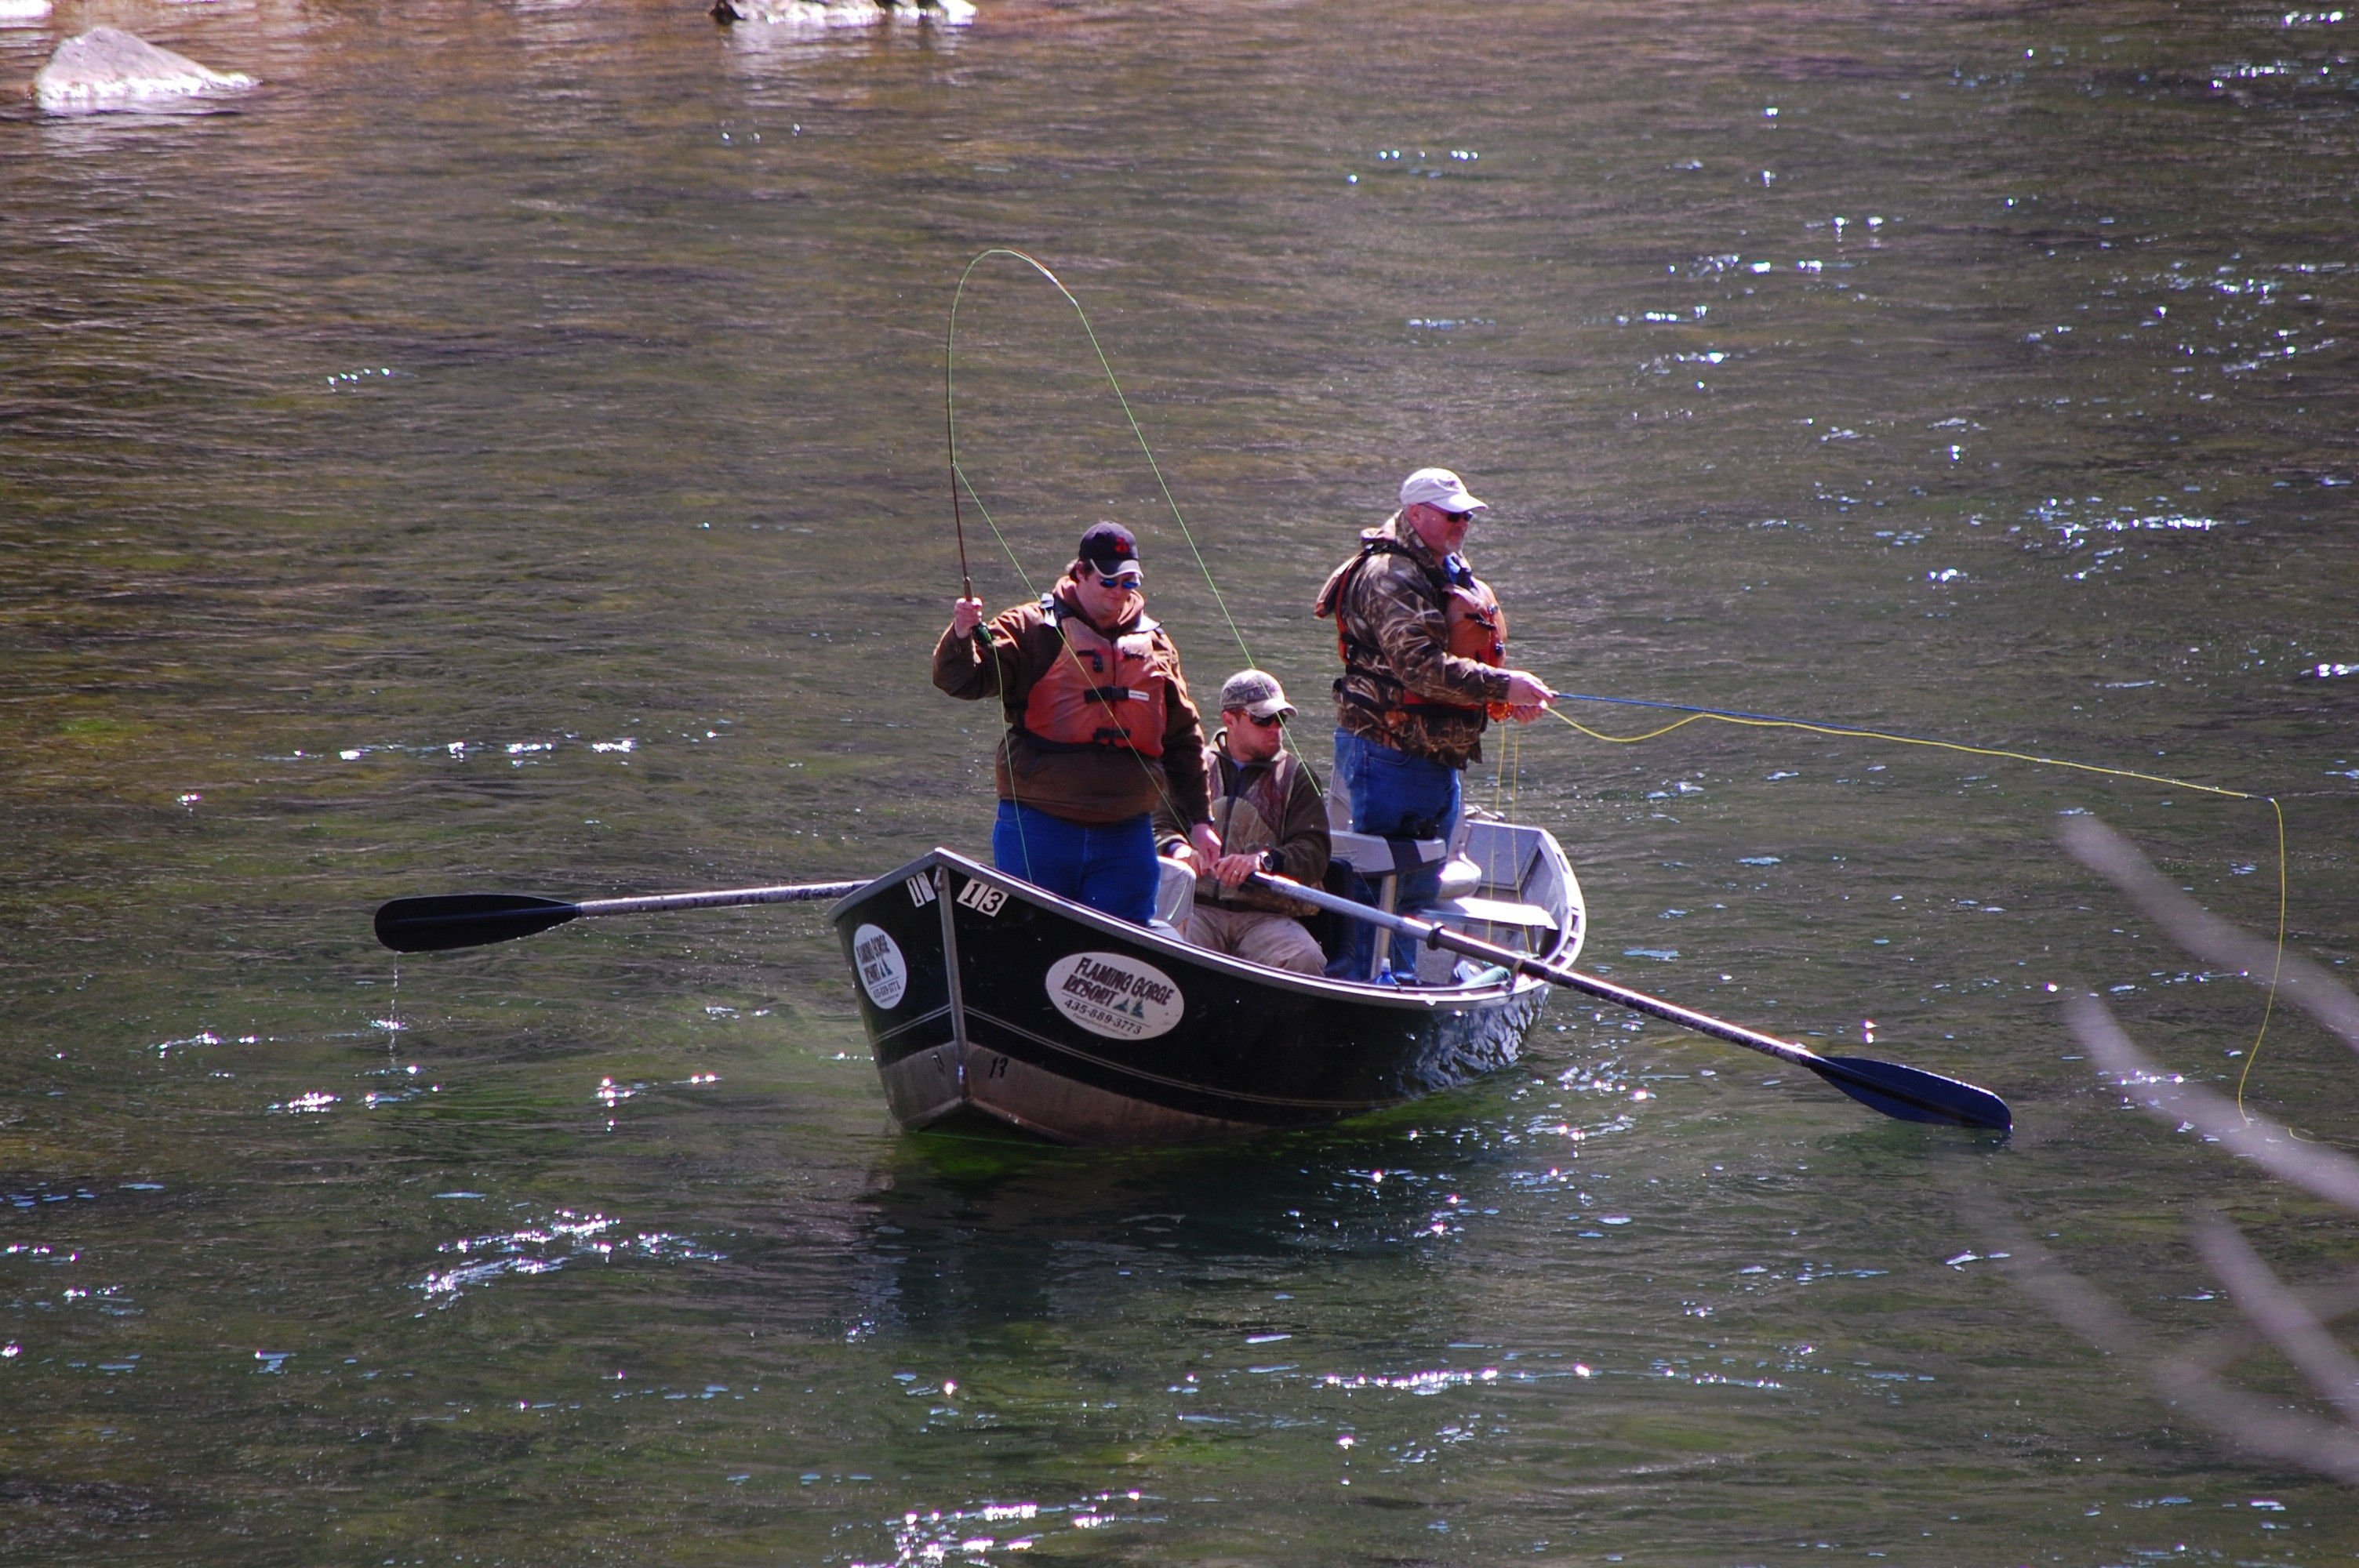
[(2313, 1167), (2279, 1313), (2283, 1317), (2260, 1426), (2204, 934)]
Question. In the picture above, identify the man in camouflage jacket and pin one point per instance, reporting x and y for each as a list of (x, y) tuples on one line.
[(1410, 713)]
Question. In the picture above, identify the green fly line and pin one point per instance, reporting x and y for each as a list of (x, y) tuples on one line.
[(950, 418), (961, 484), (1769, 721)]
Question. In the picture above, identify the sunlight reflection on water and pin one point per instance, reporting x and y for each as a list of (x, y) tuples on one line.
[(506, 454)]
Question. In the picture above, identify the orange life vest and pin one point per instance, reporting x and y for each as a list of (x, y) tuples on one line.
[(1476, 627), (1099, 691)]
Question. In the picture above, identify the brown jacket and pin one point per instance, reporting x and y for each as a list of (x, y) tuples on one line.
[(1388, 610), (1092, 785), (1273, 806)]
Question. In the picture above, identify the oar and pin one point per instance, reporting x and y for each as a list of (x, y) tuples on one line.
[(1907, 1093), (477, 919)]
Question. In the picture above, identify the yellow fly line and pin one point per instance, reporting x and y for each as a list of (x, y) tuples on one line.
[(1767, 721)]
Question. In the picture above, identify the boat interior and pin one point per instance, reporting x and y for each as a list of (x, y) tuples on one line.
[(1501, 882)]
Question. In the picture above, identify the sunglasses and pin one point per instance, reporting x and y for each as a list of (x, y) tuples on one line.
[(1272, 722), (1132, 581)]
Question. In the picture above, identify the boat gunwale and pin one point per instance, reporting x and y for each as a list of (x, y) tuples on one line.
[(1423, 998)]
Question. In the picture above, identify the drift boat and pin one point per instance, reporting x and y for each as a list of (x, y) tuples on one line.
[(990, 1001), (987, 1000)]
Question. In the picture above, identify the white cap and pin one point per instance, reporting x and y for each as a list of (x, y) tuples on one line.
[(1439, 487)]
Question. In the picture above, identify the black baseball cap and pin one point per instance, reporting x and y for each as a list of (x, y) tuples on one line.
[(1110, 549)]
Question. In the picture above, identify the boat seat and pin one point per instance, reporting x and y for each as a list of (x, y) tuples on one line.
[(1467, 910), (1174, 895), (1385, 861), (1525, 927), (1372, 856)]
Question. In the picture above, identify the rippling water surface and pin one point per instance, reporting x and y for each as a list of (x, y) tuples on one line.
[(504, 452)]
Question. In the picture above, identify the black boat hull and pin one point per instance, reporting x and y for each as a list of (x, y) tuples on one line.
[(983, 995)]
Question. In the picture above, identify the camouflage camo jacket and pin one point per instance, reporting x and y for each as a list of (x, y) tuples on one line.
[(1394, 638)]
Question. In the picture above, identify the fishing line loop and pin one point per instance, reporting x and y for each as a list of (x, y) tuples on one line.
[(949, 360), (960, 481)]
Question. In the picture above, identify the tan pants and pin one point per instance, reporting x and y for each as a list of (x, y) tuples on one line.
[(1258, 937)]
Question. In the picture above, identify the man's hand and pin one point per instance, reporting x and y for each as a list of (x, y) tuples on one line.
[(1231, 871), (1527, 695), (1207, 845), (965, 616)]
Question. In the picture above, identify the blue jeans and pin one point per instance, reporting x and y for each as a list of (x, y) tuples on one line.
[(1109, 866), (1396, 795)]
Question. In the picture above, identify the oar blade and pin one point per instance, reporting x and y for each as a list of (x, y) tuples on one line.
[(1913, 1095), (436, 924)]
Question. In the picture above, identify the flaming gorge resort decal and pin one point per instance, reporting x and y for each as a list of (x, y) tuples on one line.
[(1122, 999), (883, 973)]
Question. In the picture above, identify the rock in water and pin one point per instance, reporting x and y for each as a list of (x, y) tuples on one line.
[(815, 14), (106, 68)]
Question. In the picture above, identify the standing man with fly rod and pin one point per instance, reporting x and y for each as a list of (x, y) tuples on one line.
[(1100, 729), (1424, 645)]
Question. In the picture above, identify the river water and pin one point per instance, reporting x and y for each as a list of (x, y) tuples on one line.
[(505, 452)]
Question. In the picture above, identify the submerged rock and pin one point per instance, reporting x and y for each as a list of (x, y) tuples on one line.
[(817, 14), (106, 68)]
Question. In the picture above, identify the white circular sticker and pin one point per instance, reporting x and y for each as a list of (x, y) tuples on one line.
[(883, 975), (1122, 999)]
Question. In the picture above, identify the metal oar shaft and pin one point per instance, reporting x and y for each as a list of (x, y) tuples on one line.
[(1895, 1090), (793, 892), (1670, 1011), (1436, 934)]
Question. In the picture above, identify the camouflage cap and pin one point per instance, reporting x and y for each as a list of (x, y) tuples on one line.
[(1255, 692)]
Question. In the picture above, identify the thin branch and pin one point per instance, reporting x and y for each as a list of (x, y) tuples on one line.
[(2310, 1166), (2264, 1298), (2294, 1322), (2327, 1302), (2205, 935), (2235, 1342), (2253, 1423)]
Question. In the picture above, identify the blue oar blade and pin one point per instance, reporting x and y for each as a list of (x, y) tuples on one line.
[(1913, 1095), (466, 920)]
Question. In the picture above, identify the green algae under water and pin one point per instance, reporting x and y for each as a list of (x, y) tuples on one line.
[(504, 452)]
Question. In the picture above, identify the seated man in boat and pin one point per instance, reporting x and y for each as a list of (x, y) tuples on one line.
[(1424, 647), (1100, 729), (1268, 812)]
